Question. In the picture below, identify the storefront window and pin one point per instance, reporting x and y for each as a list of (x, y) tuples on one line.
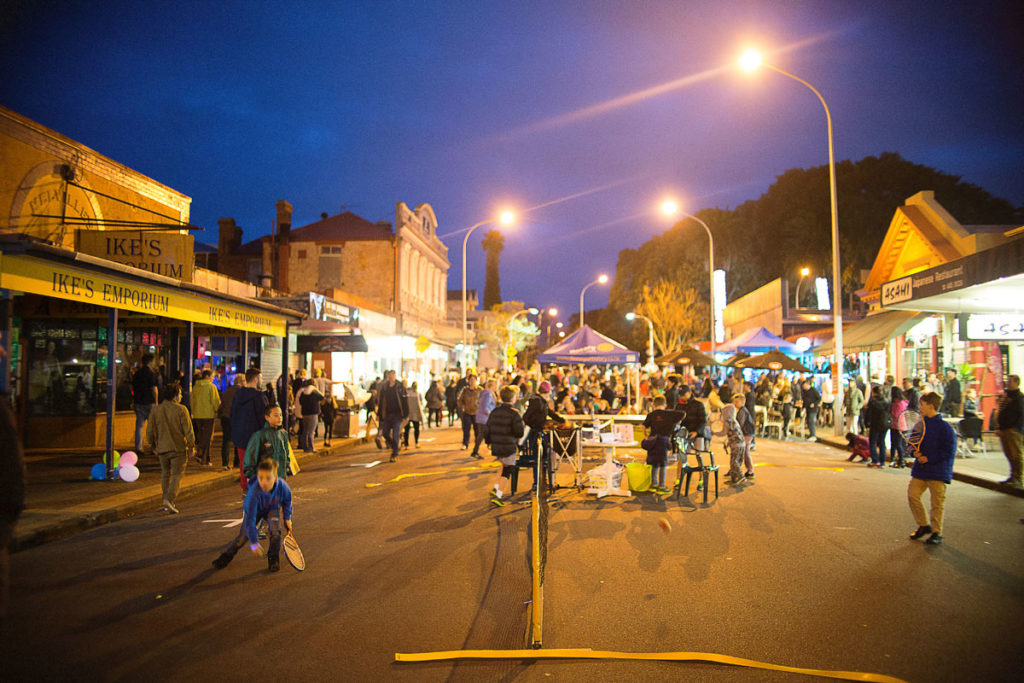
[(68, 361)]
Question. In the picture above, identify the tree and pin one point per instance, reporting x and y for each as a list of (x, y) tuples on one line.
[(789, 227), (493, 243), (678, 314), (502, 329)]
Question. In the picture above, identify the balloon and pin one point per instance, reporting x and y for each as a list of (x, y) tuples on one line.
[(129, 473), (98, 471), (128, 458)]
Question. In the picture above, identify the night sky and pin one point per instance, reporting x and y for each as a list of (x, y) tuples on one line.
[(473, 106)]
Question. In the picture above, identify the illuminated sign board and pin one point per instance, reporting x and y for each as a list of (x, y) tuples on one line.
[(164, 253), (992, 327)]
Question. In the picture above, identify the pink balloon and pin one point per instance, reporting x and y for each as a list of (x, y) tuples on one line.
[(128, 458), (128, 473)]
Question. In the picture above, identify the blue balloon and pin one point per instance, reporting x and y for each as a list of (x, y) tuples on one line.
[(99, 471)]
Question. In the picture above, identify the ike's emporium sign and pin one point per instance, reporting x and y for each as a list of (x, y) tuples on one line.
[(164, 253), (39, 276)]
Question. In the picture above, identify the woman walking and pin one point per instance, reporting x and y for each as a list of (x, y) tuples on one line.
[(329, 412), (415, 417), (435, 403), (170, 433)]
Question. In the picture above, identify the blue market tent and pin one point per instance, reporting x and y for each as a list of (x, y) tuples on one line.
[(757, 340), (589, 348)]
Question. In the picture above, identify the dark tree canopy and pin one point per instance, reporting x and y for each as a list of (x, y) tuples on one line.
[(493, 244), (789, 227)]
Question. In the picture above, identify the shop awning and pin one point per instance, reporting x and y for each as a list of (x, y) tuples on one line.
[(873, 332), (64, 274)]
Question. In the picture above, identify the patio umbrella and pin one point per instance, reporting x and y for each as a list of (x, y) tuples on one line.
[(737, 358), (687, 356), (773, 360)]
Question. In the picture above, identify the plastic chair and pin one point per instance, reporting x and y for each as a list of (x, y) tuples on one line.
[(693, 461), (773, 420), (970, 428)]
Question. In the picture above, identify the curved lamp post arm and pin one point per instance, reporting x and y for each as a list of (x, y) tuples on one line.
[(465, 241), (837, 296), (711, 275)]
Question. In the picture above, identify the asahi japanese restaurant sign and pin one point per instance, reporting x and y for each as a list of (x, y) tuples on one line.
[(165, 253)]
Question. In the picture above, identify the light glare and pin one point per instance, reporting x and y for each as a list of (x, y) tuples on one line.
[(751, 60), (507, 217)]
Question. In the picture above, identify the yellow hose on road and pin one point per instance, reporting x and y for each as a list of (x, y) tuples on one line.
[(585, 653)]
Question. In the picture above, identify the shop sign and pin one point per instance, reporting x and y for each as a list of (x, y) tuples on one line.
[(984, 266), (165, 253), (992, 327), (335, 343), (37, 276), (328, 310)]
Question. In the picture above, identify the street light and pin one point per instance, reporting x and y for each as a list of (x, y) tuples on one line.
[(551, 312), (599, 281), (633, 315), (505, 218), (750, 61), (670, 208), (804, 272)]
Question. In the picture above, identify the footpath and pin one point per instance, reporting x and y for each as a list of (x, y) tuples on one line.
[(61, 500), (987, 468)]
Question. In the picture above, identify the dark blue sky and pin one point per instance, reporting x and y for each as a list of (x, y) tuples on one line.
[(471, 106)]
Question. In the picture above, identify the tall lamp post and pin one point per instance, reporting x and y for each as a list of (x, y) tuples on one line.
[(633, 315), (750, 61), (804, 272), (670, 208), (599, 281), (506, 218)]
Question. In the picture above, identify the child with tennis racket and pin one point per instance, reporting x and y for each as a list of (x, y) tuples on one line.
[(933, 445), (270, 500)]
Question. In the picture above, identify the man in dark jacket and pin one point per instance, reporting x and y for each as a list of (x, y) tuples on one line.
[(247, 417), (696, 416), (1010, 420), (503, 431), (144, 395), (932, 470), (812, 401), (538, 411), (952, 399), (878, 417), (392, 408)]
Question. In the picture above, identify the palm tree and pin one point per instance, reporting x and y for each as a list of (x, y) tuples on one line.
[(493, 243)]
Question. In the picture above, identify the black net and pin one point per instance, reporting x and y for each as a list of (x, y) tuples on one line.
[(542, 492)]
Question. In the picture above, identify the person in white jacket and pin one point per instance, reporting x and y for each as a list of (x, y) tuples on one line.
[(415, 417)]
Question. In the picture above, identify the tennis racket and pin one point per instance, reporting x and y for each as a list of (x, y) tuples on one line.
[(911, 427), (294, 553)]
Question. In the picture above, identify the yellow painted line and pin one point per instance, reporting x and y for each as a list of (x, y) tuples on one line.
[(410, 475), (800, 467), (586, 653)]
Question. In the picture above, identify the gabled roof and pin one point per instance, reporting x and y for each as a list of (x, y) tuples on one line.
[(344, 226)]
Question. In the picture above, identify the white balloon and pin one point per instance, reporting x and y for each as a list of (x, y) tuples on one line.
[(128, 473)]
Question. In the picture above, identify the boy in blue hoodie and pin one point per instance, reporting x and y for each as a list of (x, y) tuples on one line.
[(270, 500), (932, 470)]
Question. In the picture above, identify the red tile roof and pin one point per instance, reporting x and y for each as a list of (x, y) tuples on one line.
[(344, 226)]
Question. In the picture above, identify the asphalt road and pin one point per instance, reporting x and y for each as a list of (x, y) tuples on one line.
[(807, 567)]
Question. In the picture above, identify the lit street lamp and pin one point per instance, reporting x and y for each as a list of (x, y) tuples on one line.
[(804, 272), (633, 315), (670, 208), (599, 281), (551, 312), (506, 218), (750, 61)]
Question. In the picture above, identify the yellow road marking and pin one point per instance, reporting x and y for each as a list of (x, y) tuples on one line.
[(585, 653)]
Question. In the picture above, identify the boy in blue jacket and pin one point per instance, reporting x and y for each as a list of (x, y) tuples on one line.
[(270, 500), (932, 470)]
